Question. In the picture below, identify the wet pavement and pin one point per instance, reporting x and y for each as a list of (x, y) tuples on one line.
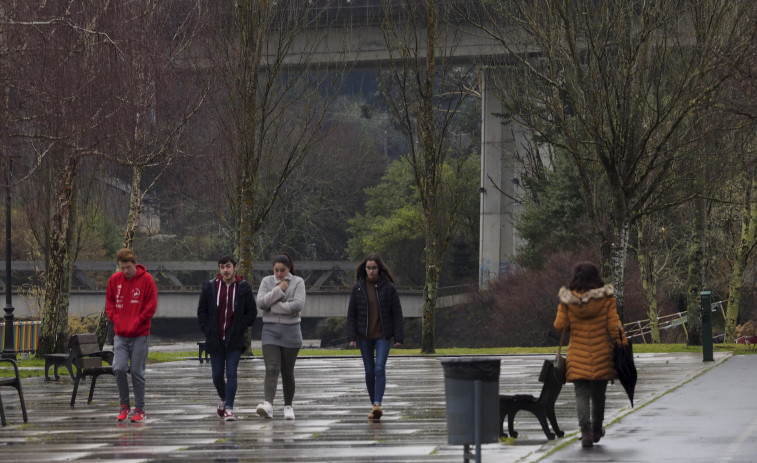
[(712, 418), (331, 405)]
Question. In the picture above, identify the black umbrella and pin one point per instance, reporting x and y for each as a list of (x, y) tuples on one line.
[(622, 355)]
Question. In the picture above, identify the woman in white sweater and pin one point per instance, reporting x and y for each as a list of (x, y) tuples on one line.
[(281, 298)]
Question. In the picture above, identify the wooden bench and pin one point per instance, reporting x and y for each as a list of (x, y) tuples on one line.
[(57, 360), (15, 383), (543, 407), (201, 350), (88, 359), (68, 360)]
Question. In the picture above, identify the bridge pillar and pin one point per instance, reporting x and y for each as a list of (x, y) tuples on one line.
[(500, 184)]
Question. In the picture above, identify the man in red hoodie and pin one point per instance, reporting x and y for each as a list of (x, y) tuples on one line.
[(130, 302)]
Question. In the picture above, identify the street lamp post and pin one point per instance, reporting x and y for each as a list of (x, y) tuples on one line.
[(9, 349)]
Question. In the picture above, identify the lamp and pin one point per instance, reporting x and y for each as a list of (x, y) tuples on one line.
[(9, 349)]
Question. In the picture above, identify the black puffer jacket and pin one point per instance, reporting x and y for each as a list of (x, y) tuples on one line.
[(245, 312), (390, 311)]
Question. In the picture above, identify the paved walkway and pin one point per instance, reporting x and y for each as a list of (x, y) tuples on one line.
[(711, 419), (331, 405)]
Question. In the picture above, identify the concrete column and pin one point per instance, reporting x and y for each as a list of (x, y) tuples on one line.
[(500, 185)]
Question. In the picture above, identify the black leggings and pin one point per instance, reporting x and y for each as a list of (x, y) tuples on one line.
[(279, 360)]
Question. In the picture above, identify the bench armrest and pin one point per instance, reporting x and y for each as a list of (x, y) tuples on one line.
[(15, 365)]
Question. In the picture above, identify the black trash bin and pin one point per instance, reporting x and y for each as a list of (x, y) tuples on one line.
[(472, 395)]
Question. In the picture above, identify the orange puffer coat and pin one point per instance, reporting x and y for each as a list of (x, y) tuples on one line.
[(591, 318)]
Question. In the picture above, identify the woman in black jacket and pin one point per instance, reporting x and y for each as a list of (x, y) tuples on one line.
[(374, 317)]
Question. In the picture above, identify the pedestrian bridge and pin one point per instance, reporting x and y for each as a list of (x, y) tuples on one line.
[(328, 287)]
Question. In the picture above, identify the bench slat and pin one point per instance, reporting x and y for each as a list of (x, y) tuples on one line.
[(87, 363), (84, 344)]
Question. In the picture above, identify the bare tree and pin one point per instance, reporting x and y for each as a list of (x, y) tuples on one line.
[(424, 91), (57, 65), (618, 85), (272, 103), (152, 79), (740, 105), (152, 73), (658, 251)]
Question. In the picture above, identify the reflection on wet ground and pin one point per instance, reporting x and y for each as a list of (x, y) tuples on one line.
[(331, 406)]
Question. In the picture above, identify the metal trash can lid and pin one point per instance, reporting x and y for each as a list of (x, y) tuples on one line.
[(472, 368)]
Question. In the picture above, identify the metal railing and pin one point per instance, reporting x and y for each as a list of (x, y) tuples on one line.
[(185, 275)]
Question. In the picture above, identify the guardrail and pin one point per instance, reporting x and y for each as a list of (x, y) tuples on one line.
[(184, 275)]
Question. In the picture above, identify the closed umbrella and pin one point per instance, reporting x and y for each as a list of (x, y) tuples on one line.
[(622, 355)]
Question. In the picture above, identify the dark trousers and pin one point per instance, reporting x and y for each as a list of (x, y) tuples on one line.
[(590, 401), (227, 360)]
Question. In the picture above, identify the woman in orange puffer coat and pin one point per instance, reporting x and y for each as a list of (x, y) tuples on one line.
[(587, 309)]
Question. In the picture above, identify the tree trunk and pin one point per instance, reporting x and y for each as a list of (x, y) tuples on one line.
[(695, 272), (618, 257), (54, 329), (135, 209), (648, 280), (135, 206), (246, 222), (430, 190), (430, 290), (744, 247), (247, 231)]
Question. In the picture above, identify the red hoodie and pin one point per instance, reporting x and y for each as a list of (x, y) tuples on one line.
[(131, 303)]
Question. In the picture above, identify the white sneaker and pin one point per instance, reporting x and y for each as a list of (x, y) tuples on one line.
[(288, 412), (265, 410)]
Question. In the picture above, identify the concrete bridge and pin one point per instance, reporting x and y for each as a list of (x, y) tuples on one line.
[(328, 287), (350, 31)]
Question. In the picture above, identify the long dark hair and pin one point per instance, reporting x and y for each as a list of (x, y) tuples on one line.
[(284, 258), (384, 271), (585, 277)]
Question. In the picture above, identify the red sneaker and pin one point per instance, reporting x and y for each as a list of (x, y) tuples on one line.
[(124, 413), (221, 407), (228, 415), (138, 416)]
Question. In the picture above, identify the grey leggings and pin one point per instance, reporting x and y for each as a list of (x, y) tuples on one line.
[(279, 360), (590, 401)]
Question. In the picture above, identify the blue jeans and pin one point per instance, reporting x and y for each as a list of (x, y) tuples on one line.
[(228, 360), (375, 365)]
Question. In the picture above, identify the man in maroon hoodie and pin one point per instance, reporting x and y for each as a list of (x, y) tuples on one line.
[(130, 302), (225, 311)]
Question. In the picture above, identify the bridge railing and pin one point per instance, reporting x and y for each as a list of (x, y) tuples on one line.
[(184, 275)]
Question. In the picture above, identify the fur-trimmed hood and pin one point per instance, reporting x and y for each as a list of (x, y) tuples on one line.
[(570, 297)]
